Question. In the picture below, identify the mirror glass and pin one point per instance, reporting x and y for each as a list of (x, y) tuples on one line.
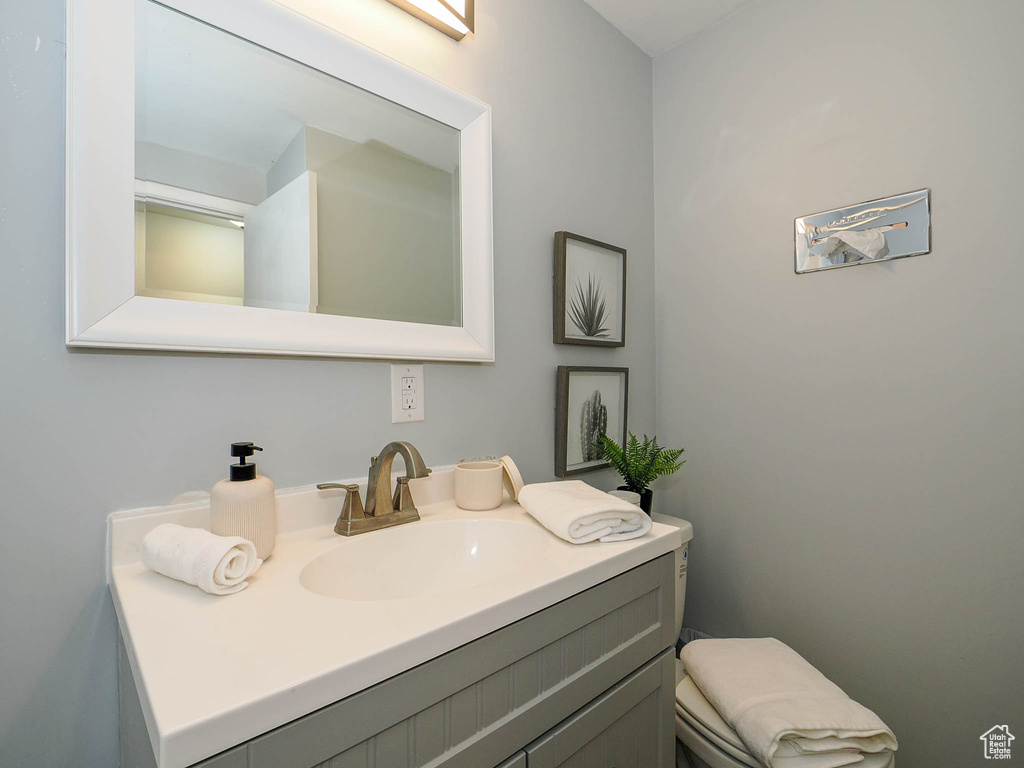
[(263, 182)]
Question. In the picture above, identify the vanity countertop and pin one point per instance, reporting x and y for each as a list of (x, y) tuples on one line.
[(213, 672)]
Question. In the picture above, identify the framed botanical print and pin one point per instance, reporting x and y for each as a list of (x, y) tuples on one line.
[(590, 402), (590, 292)]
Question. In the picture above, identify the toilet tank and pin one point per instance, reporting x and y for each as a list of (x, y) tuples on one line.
[(681, 561)]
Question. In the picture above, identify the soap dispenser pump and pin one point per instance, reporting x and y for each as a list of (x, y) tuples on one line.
[(244, 504)]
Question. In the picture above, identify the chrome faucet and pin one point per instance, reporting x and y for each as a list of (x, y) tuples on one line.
[(382, 510)]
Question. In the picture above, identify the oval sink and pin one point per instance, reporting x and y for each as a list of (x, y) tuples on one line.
[(424, 558)]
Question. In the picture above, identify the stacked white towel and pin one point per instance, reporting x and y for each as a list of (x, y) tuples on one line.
[(787, 713), (219, 565), (579, 513)]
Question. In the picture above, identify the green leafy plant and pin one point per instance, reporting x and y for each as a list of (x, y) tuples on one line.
[(640, 463), (588, 309)]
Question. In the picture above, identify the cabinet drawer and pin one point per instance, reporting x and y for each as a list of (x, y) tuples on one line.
[(629, 726)]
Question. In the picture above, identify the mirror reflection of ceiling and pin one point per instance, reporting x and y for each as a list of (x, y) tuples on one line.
[(208, 94)]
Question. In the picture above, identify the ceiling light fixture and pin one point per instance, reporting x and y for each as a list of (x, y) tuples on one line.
[(453, 17)]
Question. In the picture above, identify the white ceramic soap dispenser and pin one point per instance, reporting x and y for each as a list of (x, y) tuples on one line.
[(244, 504)]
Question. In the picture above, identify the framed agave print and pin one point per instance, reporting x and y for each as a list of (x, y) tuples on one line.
[(590, 292), (589, 402)]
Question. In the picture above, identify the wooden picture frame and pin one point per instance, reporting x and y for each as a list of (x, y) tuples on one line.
[(596, 394), (589, 292)]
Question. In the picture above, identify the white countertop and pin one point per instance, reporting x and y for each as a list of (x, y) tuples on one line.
[(213, 672)]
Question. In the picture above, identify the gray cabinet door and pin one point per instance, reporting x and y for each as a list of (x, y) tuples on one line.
[(233, 758), (629, 726), (518, 760)]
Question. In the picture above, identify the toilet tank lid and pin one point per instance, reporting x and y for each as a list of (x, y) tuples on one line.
[(684, 526)]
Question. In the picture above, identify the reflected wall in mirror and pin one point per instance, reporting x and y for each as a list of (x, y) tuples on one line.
[(263, 182)]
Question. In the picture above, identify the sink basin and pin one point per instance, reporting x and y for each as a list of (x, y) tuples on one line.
[(426, 558)]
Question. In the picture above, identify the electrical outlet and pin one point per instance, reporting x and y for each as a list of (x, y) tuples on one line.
[(407, 394)]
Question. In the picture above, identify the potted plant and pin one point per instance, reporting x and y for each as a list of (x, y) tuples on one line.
[(640, 464)]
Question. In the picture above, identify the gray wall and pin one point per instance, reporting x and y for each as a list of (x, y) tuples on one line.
[(854, 437), (86, 433), (376, 206)]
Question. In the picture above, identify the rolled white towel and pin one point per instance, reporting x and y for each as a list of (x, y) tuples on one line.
[(579, 513), (219, 565), (787, 713)]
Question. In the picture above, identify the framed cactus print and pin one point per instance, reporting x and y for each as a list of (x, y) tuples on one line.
[(589, 402), (590, 292)]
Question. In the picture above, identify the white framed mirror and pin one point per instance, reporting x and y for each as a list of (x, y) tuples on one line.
[(243, 179)]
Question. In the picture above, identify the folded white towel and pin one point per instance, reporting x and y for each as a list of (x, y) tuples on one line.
[(219, 565), (579, 513), (784, 710)]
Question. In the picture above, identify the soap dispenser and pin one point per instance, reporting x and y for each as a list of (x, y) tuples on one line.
[(244, 504)]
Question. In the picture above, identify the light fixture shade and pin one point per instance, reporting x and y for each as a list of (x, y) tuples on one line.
[(453, 17)]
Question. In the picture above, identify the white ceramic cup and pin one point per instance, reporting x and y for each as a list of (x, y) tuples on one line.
[(631, 496), (478, 485)]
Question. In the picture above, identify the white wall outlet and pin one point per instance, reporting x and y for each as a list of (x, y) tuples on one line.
[(407, 394)]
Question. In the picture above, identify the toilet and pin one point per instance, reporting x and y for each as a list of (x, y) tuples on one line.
[(703, 738)]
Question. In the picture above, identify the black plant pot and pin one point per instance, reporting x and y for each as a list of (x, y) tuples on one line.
[(646, 498)]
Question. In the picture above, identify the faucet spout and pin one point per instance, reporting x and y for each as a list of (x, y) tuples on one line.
[(378, 490)]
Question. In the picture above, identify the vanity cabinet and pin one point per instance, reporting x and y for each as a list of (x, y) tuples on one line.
[(587, 683)]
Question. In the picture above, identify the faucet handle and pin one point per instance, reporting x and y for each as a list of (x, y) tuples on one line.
[(332, 486), (402, 501), (353, 506)]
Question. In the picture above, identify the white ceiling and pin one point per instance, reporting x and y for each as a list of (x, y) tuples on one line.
[(658, 25)]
